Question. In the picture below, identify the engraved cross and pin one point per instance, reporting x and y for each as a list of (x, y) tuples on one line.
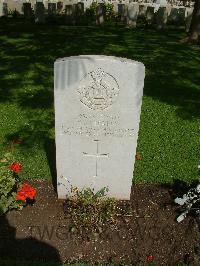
[(97, 155)]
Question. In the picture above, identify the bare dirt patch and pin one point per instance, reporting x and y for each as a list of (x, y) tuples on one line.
[(41, 231)]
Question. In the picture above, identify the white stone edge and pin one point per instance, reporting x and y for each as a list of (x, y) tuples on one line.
[(101, 57)]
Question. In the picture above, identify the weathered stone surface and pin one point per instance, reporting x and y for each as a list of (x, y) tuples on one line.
[(18, 6), (97, 113), (1, 9), (188, 19), (132, 14), (142, 10), (100, 14)]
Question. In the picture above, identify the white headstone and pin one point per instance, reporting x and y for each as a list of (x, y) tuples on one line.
[(169, 8), (1, 9), (87, 4), (132, 14), (161, 2), (32, 2), (188, 19), (115, 7), (142, 10), (97, 113), (16, 6), (45, 2), (10, 4), (100, 14), (20, 7)]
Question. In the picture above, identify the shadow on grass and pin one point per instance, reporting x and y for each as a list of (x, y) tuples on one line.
[(50, 148), (172, 69), (28, 52)]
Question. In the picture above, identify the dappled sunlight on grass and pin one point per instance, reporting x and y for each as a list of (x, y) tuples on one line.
[(168, 138)]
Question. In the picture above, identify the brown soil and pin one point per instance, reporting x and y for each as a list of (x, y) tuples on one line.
[(41, 232)]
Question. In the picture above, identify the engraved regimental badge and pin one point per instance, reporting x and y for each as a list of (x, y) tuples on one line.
[(98, 90)]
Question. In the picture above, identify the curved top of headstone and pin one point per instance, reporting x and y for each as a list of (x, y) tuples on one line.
[(100, 57), (161, 2)]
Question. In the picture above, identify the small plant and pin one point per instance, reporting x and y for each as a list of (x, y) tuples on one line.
[(109, 11), (93, 8), (188, 200), (12, 194), (88, 210)]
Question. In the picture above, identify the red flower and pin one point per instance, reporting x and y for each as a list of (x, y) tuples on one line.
[(16, 167), (20, 196), (26, 192), (150, 258)]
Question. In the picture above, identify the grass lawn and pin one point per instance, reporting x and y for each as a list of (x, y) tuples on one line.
[(169, 139)]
